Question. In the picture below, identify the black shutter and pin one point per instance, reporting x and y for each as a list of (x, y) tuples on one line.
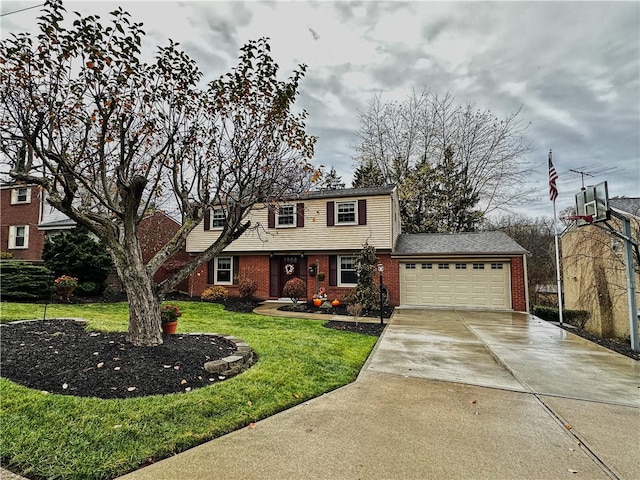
[(300, 212), (274, 276), (362, 212), (236, 269), (271, 222), (207, 221), (330, 212), (211, 270), (333, 270)]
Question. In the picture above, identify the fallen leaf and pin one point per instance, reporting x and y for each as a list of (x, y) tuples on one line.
[(116, 368), (100, 365), (473, 401), (295, 395), (567, 426), (188, 389), (65, 386), (251, 426), (183, 381), (117, 426), (249, 403), (131, 389), (573, 471), (177, 367)]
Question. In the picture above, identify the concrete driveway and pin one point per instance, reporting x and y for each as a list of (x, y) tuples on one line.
[(448, 394)]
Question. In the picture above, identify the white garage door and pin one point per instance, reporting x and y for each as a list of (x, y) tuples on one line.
[(463, 284)]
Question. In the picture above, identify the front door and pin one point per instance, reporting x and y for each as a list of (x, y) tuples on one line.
[(282, 269)]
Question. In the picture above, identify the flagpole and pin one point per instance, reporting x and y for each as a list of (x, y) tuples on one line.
[(553, 192), (555, 228)]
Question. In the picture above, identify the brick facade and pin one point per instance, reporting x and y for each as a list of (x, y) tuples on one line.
[(21, 214), (518, 285), (258, 267)]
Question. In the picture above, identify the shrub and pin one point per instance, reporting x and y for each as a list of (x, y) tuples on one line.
[(217, 293), (247, 287), (170, 313), (295, 289), (20, 281), (579, 318), (89, 289)]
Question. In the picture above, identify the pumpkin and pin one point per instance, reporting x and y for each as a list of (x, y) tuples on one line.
[(335, 303)]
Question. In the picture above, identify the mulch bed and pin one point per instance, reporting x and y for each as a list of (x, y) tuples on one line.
[(308, 307), (60, 356), (622, 348)]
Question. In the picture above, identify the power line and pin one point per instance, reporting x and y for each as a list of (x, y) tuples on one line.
[(21, 10)]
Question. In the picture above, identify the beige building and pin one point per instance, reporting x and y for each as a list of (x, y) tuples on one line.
[(594, 271)]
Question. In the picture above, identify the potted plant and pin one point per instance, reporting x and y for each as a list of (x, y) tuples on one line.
[(169, 315), (64, 286)]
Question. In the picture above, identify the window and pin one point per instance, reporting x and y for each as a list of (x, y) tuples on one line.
[(224, 270), (346, 212), (496, 266), (286, 216), (21, 195), (218, 218), (478, 266), (19, 236), (443, 266), (461, 266), (410, 266), (427, 266), (347, 273)]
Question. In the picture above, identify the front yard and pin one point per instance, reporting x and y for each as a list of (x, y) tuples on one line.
[(60, 436)]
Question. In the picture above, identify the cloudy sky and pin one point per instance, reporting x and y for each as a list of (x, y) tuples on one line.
[(573, 67)]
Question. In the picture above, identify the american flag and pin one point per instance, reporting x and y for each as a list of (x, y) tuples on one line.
[(553, 176)]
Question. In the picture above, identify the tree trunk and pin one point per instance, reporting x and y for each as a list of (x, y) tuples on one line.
[(144, 304)]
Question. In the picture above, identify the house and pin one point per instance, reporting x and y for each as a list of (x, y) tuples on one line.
[(318, 236), (20, 213), (27, 219), (594, 271)]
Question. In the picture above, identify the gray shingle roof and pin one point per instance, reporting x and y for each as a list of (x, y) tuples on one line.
[(474, 243), (628, 205), (349, 192)]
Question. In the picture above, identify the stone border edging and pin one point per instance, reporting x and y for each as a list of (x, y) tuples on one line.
[(228, 366)]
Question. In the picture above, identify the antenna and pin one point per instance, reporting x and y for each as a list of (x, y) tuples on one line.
[(591, 170)]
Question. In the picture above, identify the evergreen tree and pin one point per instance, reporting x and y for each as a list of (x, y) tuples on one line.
[(366, 291), (368, 175), (332, 181), (79, 255)]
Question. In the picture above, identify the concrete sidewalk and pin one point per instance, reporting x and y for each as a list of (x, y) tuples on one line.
[(448, 394)]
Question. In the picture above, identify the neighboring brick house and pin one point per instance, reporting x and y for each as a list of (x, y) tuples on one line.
[(20, 213), (154, 231), (327, 229), (594, 271)]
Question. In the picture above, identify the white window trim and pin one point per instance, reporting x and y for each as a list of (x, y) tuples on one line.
[(14, 196), (13, 230), (213, 215), (295, 217), (340, 283), (215, 271), (355, 213)]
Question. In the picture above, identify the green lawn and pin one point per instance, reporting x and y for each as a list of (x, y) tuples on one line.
[(57, 436)]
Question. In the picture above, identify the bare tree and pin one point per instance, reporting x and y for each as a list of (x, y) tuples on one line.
[(400, 137), (536, 236), (108, 135)]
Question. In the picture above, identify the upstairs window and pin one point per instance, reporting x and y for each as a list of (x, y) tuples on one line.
[(346, 212), (286, 216), (20, 195), (217, 218)]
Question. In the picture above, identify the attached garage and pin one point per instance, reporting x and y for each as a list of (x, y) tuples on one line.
[(473, 270)]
